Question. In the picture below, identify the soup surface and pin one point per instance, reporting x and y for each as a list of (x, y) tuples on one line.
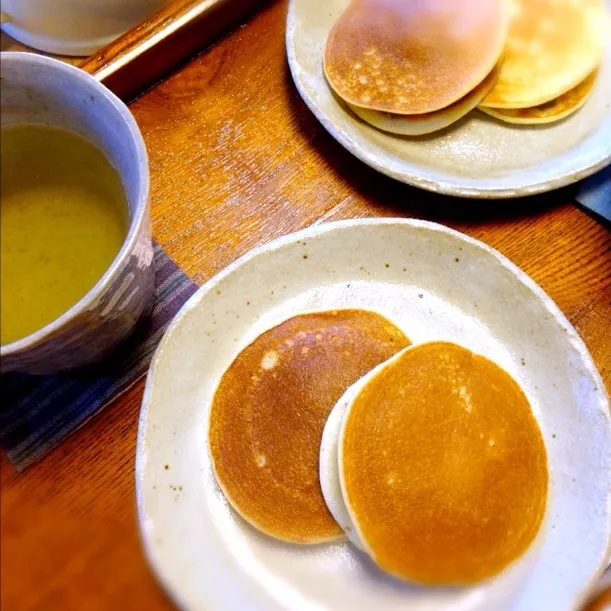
[(64, 216)]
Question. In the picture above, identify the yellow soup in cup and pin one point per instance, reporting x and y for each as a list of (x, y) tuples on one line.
[(64, 217)]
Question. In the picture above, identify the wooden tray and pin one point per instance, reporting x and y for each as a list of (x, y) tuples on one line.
[(148, 52)]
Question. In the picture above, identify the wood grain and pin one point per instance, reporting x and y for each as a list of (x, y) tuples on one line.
[(236, 160), (147, 53), (600, 602)]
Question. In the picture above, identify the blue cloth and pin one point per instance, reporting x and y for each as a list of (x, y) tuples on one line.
[(38, 412), (595, 193)]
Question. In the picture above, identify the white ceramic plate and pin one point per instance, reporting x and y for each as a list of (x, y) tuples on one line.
[(476, 157), (434, 283)]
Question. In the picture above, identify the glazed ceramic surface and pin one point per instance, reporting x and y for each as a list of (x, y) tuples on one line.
[(477, 156), (73, 27), (38, 89), (434, 283)]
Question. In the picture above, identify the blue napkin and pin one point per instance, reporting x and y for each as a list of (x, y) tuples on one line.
[(595, 193), (38, 412)]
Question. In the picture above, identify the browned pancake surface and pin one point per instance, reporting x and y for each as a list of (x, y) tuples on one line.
[(270, 408), (553, 45), (413, 57), (443, 466), (559, 108), (416, 125)]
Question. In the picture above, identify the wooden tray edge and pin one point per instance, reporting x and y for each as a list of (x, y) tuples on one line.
[(146, 54)]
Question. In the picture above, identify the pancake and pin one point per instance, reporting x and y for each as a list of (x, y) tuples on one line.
[(442, 466), (270, 408), (559, 108), (413, 57), (417, 125), (553, 46), (329, 467)]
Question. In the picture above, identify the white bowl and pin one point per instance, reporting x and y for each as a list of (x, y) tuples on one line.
[(73, 27)]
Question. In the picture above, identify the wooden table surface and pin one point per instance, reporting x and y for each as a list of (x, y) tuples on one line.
[(236, 160)]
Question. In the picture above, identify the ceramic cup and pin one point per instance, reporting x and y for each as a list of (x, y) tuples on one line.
[(73, 27), (41, 90)]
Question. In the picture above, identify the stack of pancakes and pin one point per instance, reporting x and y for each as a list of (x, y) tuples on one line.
[(428, 457), (551, 60), (413, 68)]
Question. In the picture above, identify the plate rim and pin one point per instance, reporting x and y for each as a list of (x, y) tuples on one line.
[(442, 187), (150, 552)]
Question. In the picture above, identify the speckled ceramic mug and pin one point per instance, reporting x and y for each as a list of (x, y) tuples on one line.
[(41, 90)]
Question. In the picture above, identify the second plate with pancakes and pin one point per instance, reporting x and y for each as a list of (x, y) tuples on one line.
[(397, 84), (432, 284)]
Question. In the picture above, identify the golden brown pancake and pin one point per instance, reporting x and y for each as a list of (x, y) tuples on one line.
[(413, 57), (417, 125), (559, 108), (270, 408), (443, 466), (553, 46)]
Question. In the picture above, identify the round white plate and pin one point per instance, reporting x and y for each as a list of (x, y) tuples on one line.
[(476, 157), (434, 283)]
